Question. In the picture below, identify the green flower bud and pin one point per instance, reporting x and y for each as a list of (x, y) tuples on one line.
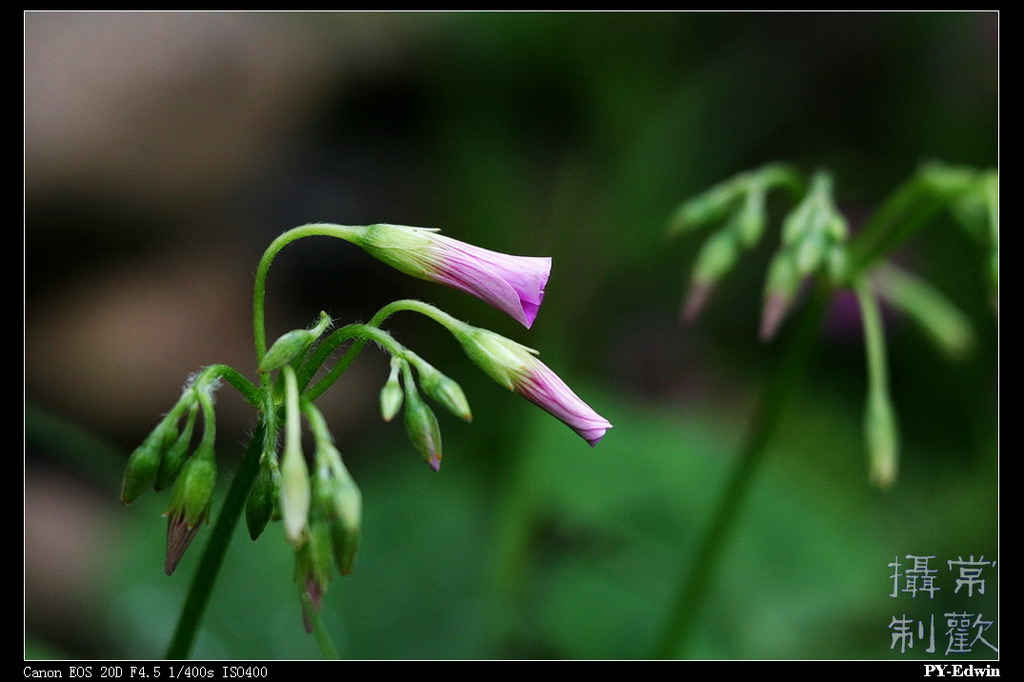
[(263, 497), (780, 289), (141, 470), (391, 394), (882, 440), (320, 554), (810, 252), (716, 257), (289, 346), (292, 345), (750, 220), (706, 208), (295, 487), (421, 425), (313, 566), (443, 390), (177, 453), (345, 539), (190, 503), (295, 493)]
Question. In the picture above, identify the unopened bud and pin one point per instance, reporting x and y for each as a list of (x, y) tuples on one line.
[(391, 394), (882, 440), (295, 487), (716, 257), (263, 497), (421, 425), (295, 493), (444, 390), (141, 470), (705, 208), (780, 289), (810, 252), (750, 219), (345, 540), (176, 454), (190, 503), (292, 345)]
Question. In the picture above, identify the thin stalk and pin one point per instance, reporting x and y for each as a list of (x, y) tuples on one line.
[(216, 548), (323, 638), (695, 581), (259, 328)]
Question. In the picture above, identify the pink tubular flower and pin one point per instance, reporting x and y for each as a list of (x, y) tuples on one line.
[(517, 368), (512, 284), (544, 388)]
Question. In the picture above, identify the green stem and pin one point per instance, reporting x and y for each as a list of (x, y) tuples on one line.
[(346, 332), (260, 289), (216, 548), (695, 582), (323, 638), (249, 391)]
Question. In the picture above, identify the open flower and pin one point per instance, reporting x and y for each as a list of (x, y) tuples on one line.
[(512, 284), (517, 368)]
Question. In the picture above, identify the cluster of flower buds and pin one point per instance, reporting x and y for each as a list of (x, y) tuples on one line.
[(166, 457), (814, 241), (813, 236), (316, 499), (740, 202)]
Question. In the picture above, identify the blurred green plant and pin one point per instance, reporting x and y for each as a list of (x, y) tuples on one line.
[(317, 500), (816, 248)]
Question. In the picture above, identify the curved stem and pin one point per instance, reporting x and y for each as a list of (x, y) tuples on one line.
[(319, 357), (363, 333), (260, 288), (216, 548), (695, 581)]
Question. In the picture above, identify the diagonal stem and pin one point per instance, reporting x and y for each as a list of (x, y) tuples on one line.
[(696, 581)]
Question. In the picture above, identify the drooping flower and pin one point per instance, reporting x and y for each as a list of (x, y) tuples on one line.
[(517, 368), (512, 284)]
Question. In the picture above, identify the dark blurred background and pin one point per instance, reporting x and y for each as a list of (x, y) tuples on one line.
[(164, 151)]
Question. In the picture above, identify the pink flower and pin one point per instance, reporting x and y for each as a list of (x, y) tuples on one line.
[(512, 284), (542, 387), (517, 368)]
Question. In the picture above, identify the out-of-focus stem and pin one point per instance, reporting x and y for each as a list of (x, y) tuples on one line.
[(695, 581)]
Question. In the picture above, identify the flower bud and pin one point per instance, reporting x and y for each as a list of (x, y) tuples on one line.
[(263, 497), (780, 289), (882, 440), (141, 470), (512, 284), (313, 567), (295, 493), (810, 252), (292, 345), (289, 346), (345, 539), (443, 390), (295, 487), (421, 425), (176, 454), (517, 368), (716, 257), (705, 208), (391, 394), (750, 219), (190, 503)]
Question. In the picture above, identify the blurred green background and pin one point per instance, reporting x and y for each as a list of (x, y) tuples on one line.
[(163, 152)]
